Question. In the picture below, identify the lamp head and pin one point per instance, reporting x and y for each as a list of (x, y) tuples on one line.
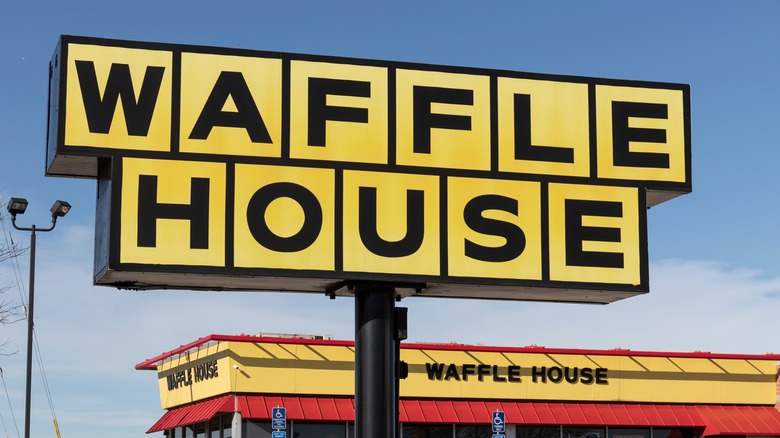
[(59, 209), (17, 206)]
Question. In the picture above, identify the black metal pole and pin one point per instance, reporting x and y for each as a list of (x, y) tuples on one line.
[(30, 304), (397, 389), (376, 399), (59, 209), (400, 330)]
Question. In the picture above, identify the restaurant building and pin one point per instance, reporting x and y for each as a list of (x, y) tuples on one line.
[(222, 386)]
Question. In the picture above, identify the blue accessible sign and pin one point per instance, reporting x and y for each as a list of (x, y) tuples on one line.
[(499, 422), (499, 435), (278, 419), (279, 434)]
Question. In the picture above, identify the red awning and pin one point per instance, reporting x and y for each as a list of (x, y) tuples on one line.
[(540, 413), (711, 419), (259, 408), (194, 413), (298, 408), (736, 420)]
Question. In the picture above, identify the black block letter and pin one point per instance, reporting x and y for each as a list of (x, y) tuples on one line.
[(312, 224), (524, 150), (415, 217), (474, 218), (231, 84), (425, 120), (320, 112), (100, 111), (149, 210), (576, 233), (623, 134)]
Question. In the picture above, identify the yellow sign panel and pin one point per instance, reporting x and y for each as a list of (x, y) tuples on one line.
[(166, 222), (593, 230), (641, 134), (232, 105), (284, 217), (494, 228), (443, 120), (267, 367), (390, 223), (543, 127), (310, 171), (118, 98), (336, 119)]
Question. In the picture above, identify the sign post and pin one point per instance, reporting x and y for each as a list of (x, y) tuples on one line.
[(279, 421), (499, 423), (376, 400)]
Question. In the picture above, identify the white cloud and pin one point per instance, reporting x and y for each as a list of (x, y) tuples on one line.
[(692, 305)]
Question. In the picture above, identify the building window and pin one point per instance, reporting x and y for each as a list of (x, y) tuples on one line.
[(256, 429), (321, 430), (227, 425), (672, 433), (214, 427), (474, 432), (426, 431), (584, 432), (628, 433), (538, 432)]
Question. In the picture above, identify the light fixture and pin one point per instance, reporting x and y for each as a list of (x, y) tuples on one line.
[(59, 209), (17, 206)]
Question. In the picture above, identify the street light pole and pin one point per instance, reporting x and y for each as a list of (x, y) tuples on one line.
[(18, 206), (30, 309)]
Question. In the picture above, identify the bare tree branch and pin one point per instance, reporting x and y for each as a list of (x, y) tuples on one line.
[(10, 251), (9, 313)]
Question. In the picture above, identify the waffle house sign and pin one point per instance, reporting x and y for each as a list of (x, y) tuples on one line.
[(249, 170)]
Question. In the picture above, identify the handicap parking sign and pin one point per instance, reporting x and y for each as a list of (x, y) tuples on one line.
[(278, 418), (499, 420), (279, 434)]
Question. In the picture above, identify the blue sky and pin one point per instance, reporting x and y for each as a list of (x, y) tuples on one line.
[(714, 280)]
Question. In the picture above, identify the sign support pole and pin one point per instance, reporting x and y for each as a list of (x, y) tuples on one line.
[(376, 399)]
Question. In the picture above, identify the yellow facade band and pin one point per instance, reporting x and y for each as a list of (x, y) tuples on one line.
[(268, 366)]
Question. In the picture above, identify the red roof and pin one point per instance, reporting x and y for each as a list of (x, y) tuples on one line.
[(151, 364), (709, 420)]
